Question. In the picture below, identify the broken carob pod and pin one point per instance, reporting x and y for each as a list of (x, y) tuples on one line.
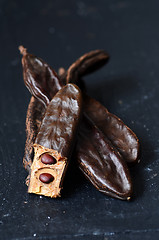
[(54, 142), (101, 163), (112, 177), (93, 163), (43, 83), (36, 74), (121, 136)]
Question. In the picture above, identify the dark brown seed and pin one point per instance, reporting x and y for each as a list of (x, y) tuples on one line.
[(46, 177), (48, 159)]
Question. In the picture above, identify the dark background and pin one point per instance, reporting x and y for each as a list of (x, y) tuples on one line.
[(60, 32)]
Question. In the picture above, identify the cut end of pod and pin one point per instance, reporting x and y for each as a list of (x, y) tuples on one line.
[(47, 172)]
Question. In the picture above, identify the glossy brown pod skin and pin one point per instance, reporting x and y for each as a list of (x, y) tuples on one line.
[(121, 136), (115, 195), (101, 163), (87, 156), (41, 80), (60, 121), (86, 64), (55, 141), (43, 83)]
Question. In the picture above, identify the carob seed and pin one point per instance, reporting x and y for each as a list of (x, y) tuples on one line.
[(46, 177), (47, 159)]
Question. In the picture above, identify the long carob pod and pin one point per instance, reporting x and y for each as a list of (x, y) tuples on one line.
[(88, 153), (117, 192), (86, 64), (121, 136), (47, 83), (36, 68), (54, 142), (101, 163), (43, 83)]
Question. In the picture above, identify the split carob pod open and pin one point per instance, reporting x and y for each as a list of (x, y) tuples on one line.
[(111, 185), (54, 142), (120, 135)]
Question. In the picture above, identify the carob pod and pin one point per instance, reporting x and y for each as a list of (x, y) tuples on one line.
[(43, 83), (101, 163), (121, 136), (86, 64), (111, 152), (36, 68), (88, 154), (47, 83), (34, 117), (54, 142)]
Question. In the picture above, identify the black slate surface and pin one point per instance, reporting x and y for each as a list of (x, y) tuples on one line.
[(59, 32)]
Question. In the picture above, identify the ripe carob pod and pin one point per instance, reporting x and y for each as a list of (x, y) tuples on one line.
[(115, 194), (34, 117), (54, 142), (43, 83), (37, 74), (101, 163), (121, 136), (41, 80), (86, 64)]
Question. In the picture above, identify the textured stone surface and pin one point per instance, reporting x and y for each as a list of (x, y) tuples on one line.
[(59, 32)]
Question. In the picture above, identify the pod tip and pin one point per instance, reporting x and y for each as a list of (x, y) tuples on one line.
[(22, 50)]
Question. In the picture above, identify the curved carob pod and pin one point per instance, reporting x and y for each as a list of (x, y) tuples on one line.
[(43, 83), (101, 163), (86, 64), (47, 83), (54, 142), (106, 187), (121, 136), (88, 153)]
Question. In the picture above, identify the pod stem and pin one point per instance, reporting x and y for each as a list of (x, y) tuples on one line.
[(23, 50)]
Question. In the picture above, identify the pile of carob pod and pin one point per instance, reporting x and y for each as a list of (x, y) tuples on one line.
[(62, 117)]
